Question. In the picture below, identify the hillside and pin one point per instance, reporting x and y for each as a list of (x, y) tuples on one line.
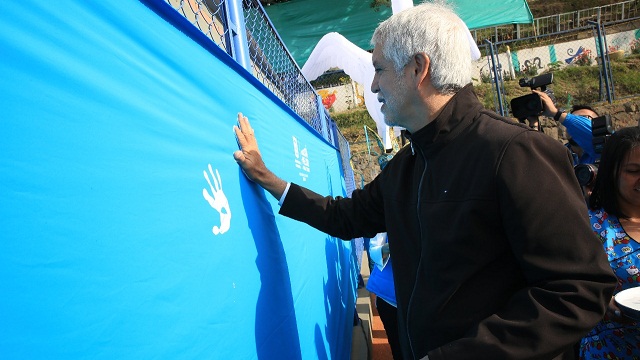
[(540, 8)]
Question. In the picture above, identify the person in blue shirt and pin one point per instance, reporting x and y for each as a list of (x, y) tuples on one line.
[(381, 283), (578, 124)]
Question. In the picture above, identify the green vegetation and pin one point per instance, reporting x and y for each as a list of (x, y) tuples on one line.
[(626, 75), (332, 77), (353, 120), (576, 84)]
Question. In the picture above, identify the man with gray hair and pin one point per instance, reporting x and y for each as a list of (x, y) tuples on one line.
[(484, 267)]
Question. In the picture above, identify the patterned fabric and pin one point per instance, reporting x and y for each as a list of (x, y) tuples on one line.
[(610, 339)]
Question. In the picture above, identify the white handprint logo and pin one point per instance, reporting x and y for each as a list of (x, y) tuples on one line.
[(218, 201)]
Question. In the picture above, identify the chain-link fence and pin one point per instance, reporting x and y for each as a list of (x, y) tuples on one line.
[(208, 16), (254, 43), (274, 67), (349, 177), (591, 65), (269, 59), (557, 24)]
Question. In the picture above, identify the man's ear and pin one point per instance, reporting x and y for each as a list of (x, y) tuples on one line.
[(421, 67)]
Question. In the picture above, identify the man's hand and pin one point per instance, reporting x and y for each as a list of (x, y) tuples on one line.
[(250, 159), (614, 313), (549, 108)]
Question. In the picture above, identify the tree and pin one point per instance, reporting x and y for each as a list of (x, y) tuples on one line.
[(377, 4)]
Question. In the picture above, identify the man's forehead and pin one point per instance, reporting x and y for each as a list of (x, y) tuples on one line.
[(585, 112)]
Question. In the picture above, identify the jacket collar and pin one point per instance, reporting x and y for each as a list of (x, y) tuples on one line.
[(456, 115)]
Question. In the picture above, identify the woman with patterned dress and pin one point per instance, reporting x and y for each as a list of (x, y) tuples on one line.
[(615, 217)]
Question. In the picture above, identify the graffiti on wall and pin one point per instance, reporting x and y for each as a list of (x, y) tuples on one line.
[(573, 55), (578, 52), (328, 98), (534, 63)]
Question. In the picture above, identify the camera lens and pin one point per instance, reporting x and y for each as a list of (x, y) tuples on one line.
[(586, 174)]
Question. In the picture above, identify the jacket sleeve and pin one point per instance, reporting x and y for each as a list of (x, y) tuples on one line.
[(361, 215), (569, 281)]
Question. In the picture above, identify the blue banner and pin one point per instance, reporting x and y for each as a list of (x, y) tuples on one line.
[(128, 230)]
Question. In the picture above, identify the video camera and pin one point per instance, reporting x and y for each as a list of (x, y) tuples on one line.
[(531, 105), (601, 130)]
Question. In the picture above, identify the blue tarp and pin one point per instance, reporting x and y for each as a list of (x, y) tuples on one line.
[(110, 116)]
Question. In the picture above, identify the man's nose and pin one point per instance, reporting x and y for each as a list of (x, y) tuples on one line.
[(374, 86)]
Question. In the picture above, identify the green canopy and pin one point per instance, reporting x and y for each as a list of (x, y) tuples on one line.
[(301, 23)]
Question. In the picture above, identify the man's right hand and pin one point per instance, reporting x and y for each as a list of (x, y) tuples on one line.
[(550, 108), (250, 159)]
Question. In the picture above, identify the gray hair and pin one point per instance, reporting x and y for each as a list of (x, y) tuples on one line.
[(432, 28)]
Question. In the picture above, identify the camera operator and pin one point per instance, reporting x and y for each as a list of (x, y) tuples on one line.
[(580, 129), (578, 124), (528, 108)]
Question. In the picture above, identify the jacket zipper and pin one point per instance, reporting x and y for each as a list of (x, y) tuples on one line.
[(424, 173)]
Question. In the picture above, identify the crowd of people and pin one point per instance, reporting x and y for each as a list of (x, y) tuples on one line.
[(613, 200), (486, 265)]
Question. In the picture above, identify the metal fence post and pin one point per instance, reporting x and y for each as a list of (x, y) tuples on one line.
[(494, 68), (323, 118), (237, 28), (335, 132), (603, 60)]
